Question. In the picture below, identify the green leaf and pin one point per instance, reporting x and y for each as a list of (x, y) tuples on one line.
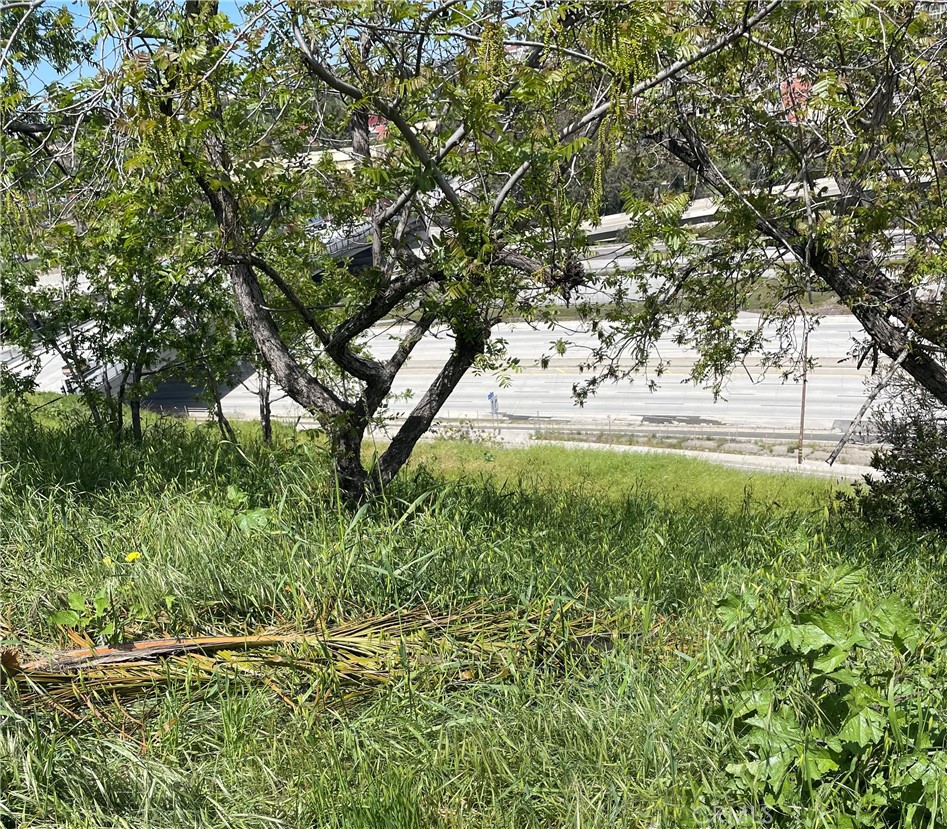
[(895, 620), (758, 701), (77, 602), (66, 618), (806, 638), (816, 761), (236, 495), (865, 728), (735, 608), (844, 676), (775, 767), (779, 729), (831, 660), (832, 623), (253, 519), (845, 582)]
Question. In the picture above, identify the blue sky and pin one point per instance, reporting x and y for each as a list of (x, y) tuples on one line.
[(45, 73)]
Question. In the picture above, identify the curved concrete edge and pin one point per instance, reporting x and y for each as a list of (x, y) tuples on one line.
[(750, 463)]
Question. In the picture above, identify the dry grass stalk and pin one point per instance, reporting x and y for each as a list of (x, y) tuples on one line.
[(332, 664)]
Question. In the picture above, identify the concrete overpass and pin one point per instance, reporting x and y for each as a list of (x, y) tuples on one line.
[(701, 211)]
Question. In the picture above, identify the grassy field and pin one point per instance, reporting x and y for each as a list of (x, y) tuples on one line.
[(629, 607)]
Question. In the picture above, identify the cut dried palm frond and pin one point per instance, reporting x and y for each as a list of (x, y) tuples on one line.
[(335, 663)]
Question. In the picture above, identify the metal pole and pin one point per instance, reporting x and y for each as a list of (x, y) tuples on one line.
[(805, 331), (805, 381)]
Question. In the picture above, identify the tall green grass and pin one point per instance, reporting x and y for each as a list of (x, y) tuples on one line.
[(235, 539)]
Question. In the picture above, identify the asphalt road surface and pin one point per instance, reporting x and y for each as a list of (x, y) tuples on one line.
[(537, 396), (836, 389)]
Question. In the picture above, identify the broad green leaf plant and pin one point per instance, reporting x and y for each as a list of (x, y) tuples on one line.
[(842, 711)]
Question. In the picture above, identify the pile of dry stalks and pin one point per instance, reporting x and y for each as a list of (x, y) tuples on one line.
[(328, 665)]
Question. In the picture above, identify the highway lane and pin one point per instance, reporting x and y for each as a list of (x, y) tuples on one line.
[(836, 390)]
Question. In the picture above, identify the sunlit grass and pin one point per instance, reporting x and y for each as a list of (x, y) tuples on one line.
[(238, 540), (616, 475)]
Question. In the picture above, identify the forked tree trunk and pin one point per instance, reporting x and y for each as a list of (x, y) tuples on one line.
[(351, 477), (355, 483)]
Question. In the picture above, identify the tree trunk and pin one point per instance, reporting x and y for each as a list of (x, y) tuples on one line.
[(120, 406), (419, 421), (222, 423), (351, 478), (266, 424), (226, 430), (135, 403), (118, 425)]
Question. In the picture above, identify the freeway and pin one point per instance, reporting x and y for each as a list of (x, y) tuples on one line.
[(836, 387), (835, 392)]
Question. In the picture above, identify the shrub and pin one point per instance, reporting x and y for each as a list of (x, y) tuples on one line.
[(912, 486), (843, 709)]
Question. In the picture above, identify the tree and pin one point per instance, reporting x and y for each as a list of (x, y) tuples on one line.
[(460, 114), (821, 135), (499, 123), (101, 263), (128, 300), (466, 200)]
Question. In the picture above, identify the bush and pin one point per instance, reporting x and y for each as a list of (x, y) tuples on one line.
[(842, 710), (913, 465)]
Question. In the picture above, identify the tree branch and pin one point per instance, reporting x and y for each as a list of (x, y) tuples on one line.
[(225, 258), (602, 109), (27, 127), (306, 389), (411, 339), (870, 310), (343, 87), (381, 305), (419, 421)]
